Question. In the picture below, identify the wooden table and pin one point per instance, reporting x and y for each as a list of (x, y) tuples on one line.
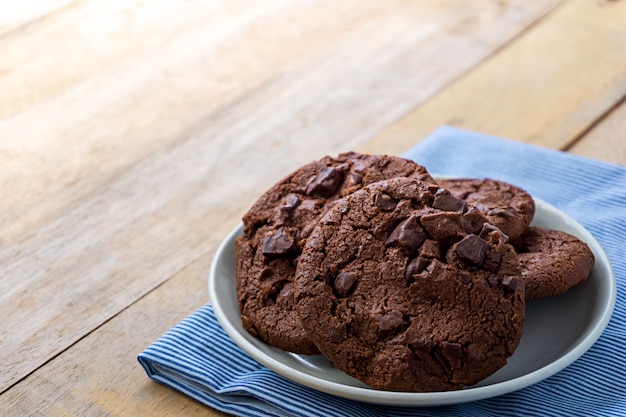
[(134, 135)]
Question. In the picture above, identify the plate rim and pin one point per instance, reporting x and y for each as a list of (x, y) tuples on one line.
[(381, 397)]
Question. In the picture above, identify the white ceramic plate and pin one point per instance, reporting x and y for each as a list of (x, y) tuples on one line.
[(558, 331)]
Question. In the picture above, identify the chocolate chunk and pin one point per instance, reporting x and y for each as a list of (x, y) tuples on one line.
[(325, 183), (421, 344), (359, 167), (282, 242), (493, 234), (473, 220), (503, 212), (496, 240), (409, 234), (441, 360), (344, 282), (472, 249), (506, 206), (452, 349), (424, 198), (416, 266), (390, 321), (384, 201), (510, 283), (354, 179), (443, 225), (291, 202), (447, 202), (430, 249)]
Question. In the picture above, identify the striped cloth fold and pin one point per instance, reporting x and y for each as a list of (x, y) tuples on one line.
[(198, 359)]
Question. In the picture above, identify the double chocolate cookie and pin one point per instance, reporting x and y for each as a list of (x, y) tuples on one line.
[(506, 206), (552, 261), (278, 224), (408, 288)]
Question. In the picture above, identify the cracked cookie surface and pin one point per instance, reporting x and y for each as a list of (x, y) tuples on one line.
[(276, 227), (506, 206), (552, 261), (407, 288)]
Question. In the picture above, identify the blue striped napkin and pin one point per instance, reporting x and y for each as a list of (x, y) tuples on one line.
[(197, 358)]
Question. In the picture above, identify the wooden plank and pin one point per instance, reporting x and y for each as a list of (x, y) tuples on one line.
[(157, 134), (100, 375), (547, 87), (125, 93), (135, 95), (605, 140)]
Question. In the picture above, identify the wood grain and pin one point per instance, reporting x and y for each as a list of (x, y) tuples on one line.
[(100, 375), (128, 144), (606, 139), (547, 87)]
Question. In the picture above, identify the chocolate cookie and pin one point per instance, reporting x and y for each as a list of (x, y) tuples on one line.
[(407, 288), (506, 206), (552, 261), (275, 229)]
